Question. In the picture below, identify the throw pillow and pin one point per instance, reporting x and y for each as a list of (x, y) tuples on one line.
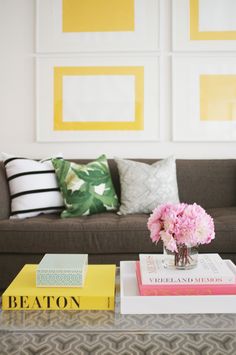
[(33, 186), (144, 187), (86, 189)]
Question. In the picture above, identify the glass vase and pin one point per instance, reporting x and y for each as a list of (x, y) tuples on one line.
[(186, 258)]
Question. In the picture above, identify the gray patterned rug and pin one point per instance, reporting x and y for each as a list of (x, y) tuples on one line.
[(57, 343)]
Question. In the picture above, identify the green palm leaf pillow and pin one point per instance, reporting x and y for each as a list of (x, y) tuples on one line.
[(86, 189)]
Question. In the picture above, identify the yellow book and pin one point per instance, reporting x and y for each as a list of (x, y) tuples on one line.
[(98, 292)]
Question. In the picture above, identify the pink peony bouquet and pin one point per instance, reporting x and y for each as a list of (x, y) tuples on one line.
[(181, 224)]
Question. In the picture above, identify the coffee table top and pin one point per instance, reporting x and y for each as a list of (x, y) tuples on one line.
[(109, 321), (86, 321)]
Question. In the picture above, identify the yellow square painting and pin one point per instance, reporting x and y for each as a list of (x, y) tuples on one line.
[(218, 97), (212, 34), (80, 103), (98, 15)]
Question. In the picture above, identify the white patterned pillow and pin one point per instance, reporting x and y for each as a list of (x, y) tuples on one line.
[(144, 186), (33, 186)]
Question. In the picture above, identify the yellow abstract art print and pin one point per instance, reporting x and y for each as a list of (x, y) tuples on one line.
[(98, 98), (205, 107), (102, 98), (217, 19), (98, 15), (218, 97), (208, 25), (79, 26)]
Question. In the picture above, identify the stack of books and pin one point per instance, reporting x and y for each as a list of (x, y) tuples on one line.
[(147, 287), (62, 282), (212, 276)]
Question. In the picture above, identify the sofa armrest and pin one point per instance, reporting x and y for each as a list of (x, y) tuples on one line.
[(4, 194)]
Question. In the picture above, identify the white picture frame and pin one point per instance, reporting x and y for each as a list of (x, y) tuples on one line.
[(203, 98), (52, 126), (51, 39), (208, 25)]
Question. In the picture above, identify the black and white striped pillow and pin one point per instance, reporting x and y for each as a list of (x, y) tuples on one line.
[(33, 186)]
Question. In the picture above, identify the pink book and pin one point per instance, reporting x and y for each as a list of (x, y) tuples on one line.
[(183, 289)]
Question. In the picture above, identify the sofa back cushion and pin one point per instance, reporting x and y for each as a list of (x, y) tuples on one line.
[(210, 183)]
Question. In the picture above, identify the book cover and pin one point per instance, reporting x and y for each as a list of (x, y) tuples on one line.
[(185, 289), (211, 269), (98, 292), (57, 270)]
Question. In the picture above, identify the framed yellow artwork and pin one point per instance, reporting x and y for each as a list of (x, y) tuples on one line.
[(204, 109), (97, 25), (204, 24), (97, 98)]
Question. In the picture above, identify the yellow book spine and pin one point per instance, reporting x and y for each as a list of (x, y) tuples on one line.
[(24, 302)]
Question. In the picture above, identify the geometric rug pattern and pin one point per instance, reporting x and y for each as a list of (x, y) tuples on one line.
[(57, 343)]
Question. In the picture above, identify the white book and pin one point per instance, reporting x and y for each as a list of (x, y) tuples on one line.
[(210, 269)]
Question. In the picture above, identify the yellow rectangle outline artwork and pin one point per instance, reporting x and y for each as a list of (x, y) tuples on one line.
[(98, 15), (195, 34), (216, 85), (136, 125)]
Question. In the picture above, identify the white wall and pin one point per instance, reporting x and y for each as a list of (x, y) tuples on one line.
[(17, 98)]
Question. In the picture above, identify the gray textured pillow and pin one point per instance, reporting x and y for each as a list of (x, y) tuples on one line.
[(144, 186)]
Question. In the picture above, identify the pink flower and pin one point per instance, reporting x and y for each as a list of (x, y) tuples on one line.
[(169, 241), (155, 231), (181, 224)]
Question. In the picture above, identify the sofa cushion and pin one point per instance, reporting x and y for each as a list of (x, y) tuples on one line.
[(86, 189), (225, 230), (144, 187), (104, 233), (33, 186), (211, 183), (99, 233)]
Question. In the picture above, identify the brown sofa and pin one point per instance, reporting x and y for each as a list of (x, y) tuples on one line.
[(108, 237)]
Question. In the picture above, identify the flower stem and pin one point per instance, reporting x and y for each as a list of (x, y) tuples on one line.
[(182, 257)]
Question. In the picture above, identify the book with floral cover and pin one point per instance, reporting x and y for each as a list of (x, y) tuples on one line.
[(211, 269)]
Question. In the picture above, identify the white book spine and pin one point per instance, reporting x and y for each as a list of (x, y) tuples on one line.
[(211, 270)]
